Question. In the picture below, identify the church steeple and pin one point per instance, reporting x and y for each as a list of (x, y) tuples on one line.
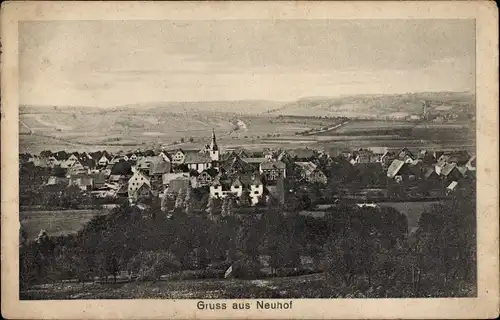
[(213, 149), (213, 143)]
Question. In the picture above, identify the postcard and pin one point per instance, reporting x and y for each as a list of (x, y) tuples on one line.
[(249, 160)]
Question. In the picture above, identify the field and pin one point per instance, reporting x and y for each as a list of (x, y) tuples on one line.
[(310, 286), (262, 123), (57, 222)]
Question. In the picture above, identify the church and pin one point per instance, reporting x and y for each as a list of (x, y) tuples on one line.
[(200, 160)]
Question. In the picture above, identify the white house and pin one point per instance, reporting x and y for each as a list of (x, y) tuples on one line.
[(104, 161), (222, 187), (136, 181)]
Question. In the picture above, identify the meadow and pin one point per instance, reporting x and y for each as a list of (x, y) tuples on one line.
[(56, 222)]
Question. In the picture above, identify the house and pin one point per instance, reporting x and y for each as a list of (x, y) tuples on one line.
[(451, 187), (471, 164), (71, 160), (99, 180), (222, 186), (83, 181), (197, 161), (270, 154), (449, 172), (254, 161), (203, 179), (178, 156), (103, 161), (52, 181), (141, 193), (430, 173), (362, 156), (166, 157), (272, 169), (311, 173), (303, 154), (237, 165), (285, 157), (77, 168), (52, 161), (387, 158), (397, 169), (122, 168), (136, 181), (144, 164), (87, 163), (158, 166), (228, 156), (405, 155)]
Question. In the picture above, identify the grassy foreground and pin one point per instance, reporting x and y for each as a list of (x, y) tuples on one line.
[(289, 287)]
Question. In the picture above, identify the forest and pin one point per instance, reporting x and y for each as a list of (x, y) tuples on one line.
[(365, 252)]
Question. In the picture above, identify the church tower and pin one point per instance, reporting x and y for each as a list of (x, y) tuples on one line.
[(213, 148)]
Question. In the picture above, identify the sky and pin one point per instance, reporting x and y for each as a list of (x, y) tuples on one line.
[(111, 63)]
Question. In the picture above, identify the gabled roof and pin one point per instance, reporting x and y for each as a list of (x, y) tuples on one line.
[(139, 174), (428, 172), (210, 171), (448, 168), (196, 157), (303, 153), (158, 165), (272, 164), (472, 162), (394, 168)]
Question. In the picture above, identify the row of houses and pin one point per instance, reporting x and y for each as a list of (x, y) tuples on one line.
[(238, 172)]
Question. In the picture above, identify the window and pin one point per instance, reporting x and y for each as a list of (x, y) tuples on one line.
[(256, 192), (273, 175)]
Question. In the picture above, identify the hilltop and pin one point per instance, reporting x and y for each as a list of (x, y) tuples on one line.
[(377, 106)]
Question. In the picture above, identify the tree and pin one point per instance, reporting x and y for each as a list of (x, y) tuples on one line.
[(182, 140), (210, 206), (189, 201), (181, 196), (245, 200)]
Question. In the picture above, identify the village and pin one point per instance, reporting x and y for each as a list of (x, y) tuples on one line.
[(254, 178)]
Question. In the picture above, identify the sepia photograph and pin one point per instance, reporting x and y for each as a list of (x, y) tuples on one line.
[(265, 159)]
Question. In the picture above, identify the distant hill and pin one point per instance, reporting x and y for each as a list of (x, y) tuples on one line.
[(376, 106)]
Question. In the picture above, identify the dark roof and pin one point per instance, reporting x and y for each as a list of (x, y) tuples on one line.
[(303, 153), (159, 166), (272, 164), (448, 168), (122, 167), (428, 172)]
